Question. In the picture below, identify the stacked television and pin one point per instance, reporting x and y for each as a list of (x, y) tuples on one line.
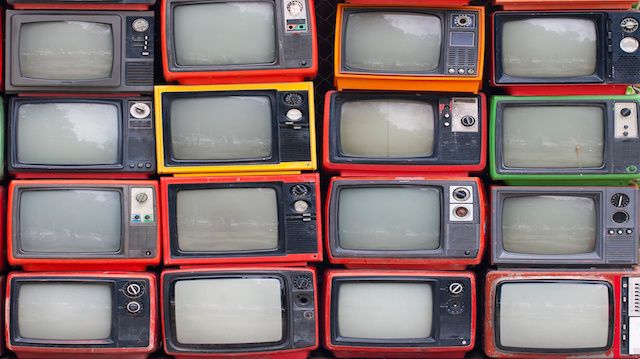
[(564, 234)]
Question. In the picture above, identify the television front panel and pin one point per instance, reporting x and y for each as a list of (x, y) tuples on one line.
[(564, 4), (81, 315), (388, 133), (565, 53), (409, 48), (81, 137), (235, 128), (84, 5), (238, 41), (79, 51), (392, 222), (240, 312), (399, 314), (562, 315), (565, 139), (83, 225)]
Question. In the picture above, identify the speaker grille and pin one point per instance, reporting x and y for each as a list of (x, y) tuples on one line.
[(139, 73)]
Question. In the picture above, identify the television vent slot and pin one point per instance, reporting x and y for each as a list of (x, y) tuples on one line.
[(634, 297), (302, 237), (620, 250), (465, 57), (139, 73)]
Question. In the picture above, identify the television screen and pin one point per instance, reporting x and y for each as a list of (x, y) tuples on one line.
[(385, 310), (393, 128), (549, 47), (227, 219), (549, 225), (229, 33), (64, 311), (90, 222), (553, 136), (389, 218), (66, 50), (392, 42), (67, 134), (228, 311), (221, 128), (554, 316)]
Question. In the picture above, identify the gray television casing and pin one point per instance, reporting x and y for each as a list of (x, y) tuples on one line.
[(133, 52), (610, 249)]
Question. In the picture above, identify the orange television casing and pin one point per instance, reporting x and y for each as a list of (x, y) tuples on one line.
[(131, 256), (292, 188), (564, 4), (447, 79), (90, 348)]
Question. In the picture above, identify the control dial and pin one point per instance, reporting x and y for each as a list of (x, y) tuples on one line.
[(462, 20), (294, 7), (620, 200), (140, 110), (134, 307), (456, 288), (133, 290), (140, 25), (142, 197), (629, 24), (299, 190), (293, 99), (302, 282)]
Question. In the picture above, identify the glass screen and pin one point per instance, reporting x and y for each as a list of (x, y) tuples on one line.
[(396, 42), (385, 310), (64, 311), (67, 134), (228, 311), (549, 47), (554, 315), (553, 136), (230, 219), (387, 128), (70, 221), (549, 225), (230, 33), (386, 218), (221, 128), (66, 50)]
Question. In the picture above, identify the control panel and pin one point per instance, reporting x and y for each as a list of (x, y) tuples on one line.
[(293, 126), (462, 44), (464, 114), (454, 298), (620, 214), (140, 37), (625, 120), (140, 114), (461, 203), (295, 16), (142, 205), (630, 326)]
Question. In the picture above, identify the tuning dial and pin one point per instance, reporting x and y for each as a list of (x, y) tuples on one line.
[(620, 200), (293, 99), (299, 190), (629, 24), (134, 307), (294, 7), (302, 282), (294, 114), (142, 197), (140, 110), (468, 121), (456, 288), (140, 25), (133, 290), (462, 20)]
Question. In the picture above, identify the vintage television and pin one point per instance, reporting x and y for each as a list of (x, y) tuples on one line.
[(235, 128), (240, 312), (562, 315), (564, 226), (410, 2), (86, 225), (238, 41), (81, 137), (399, 314), (565, 52), (409, 47), (81, 315), (79, 51), (249, 219), (84, 5), (396, 132), (564, 4), (396, 222), (573, 139)]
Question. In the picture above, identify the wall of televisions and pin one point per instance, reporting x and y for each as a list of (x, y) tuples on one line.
[(459, 181)]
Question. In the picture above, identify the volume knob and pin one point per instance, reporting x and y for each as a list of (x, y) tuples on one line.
[(142, 197)]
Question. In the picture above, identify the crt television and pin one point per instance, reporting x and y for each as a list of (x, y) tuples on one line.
[(81, 136), (238, 41), (248, 219), (415, 222), (399, 314), (81, 314), (240, 312), (564, 4), (409, 47), (84, 5), (235, 128), (88, 225), (79, 51), (564, 226), (565, 52), (562, 315), (394, 132), (572, 139)]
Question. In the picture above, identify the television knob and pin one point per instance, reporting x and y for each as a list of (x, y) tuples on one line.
[(294, 114), (462, 20), (302, 282), (133, 290), (468, 121), (293, 99), (140, 25), (142, 197), (625, 112), (134, 307), (456, 288), (140, 110), (294, 7), (299, 190)]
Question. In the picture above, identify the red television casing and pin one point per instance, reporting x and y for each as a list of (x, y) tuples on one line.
[(76, 5), (359, 169), (614, 278), (3, 211), (382, 262), (564, 4), (74, 264), (36, 352), (343, 351), (302, 353), (297, 259)]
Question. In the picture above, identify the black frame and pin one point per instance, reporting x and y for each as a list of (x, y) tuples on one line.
[(496, 315), (70, 2), (599, 19)]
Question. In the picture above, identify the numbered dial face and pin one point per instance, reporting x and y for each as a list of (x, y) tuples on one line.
[(295, 7), (620, 200), (293, 99), (462, 20), (140, 25), (629, 24)]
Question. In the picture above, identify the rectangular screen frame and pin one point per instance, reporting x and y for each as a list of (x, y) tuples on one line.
[(85, 5), (564, 4)]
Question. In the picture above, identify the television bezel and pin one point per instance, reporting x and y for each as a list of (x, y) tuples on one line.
[(85, 5), (564, 4)]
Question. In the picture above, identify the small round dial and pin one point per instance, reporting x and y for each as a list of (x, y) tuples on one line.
[(140, 110), (302, 282), (629, 24), (295, 7), (299, 190), (140, 25), (462, 20), (620, 200), (293, 99)]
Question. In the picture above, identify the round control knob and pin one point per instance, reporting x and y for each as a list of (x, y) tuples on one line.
[(461, 212), (468, 121), (462, 20), (620, 217), (454, 306), (629, 44), (140, 110), (629, 24), (299, 190), (461, 194), (626, 112), (300, 206), (294, 114), (619, 200), (294, 7), (140, 25), (142, 197), (134, 307), (456, 288), (302, 282), (293, 99), (133, 290)]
